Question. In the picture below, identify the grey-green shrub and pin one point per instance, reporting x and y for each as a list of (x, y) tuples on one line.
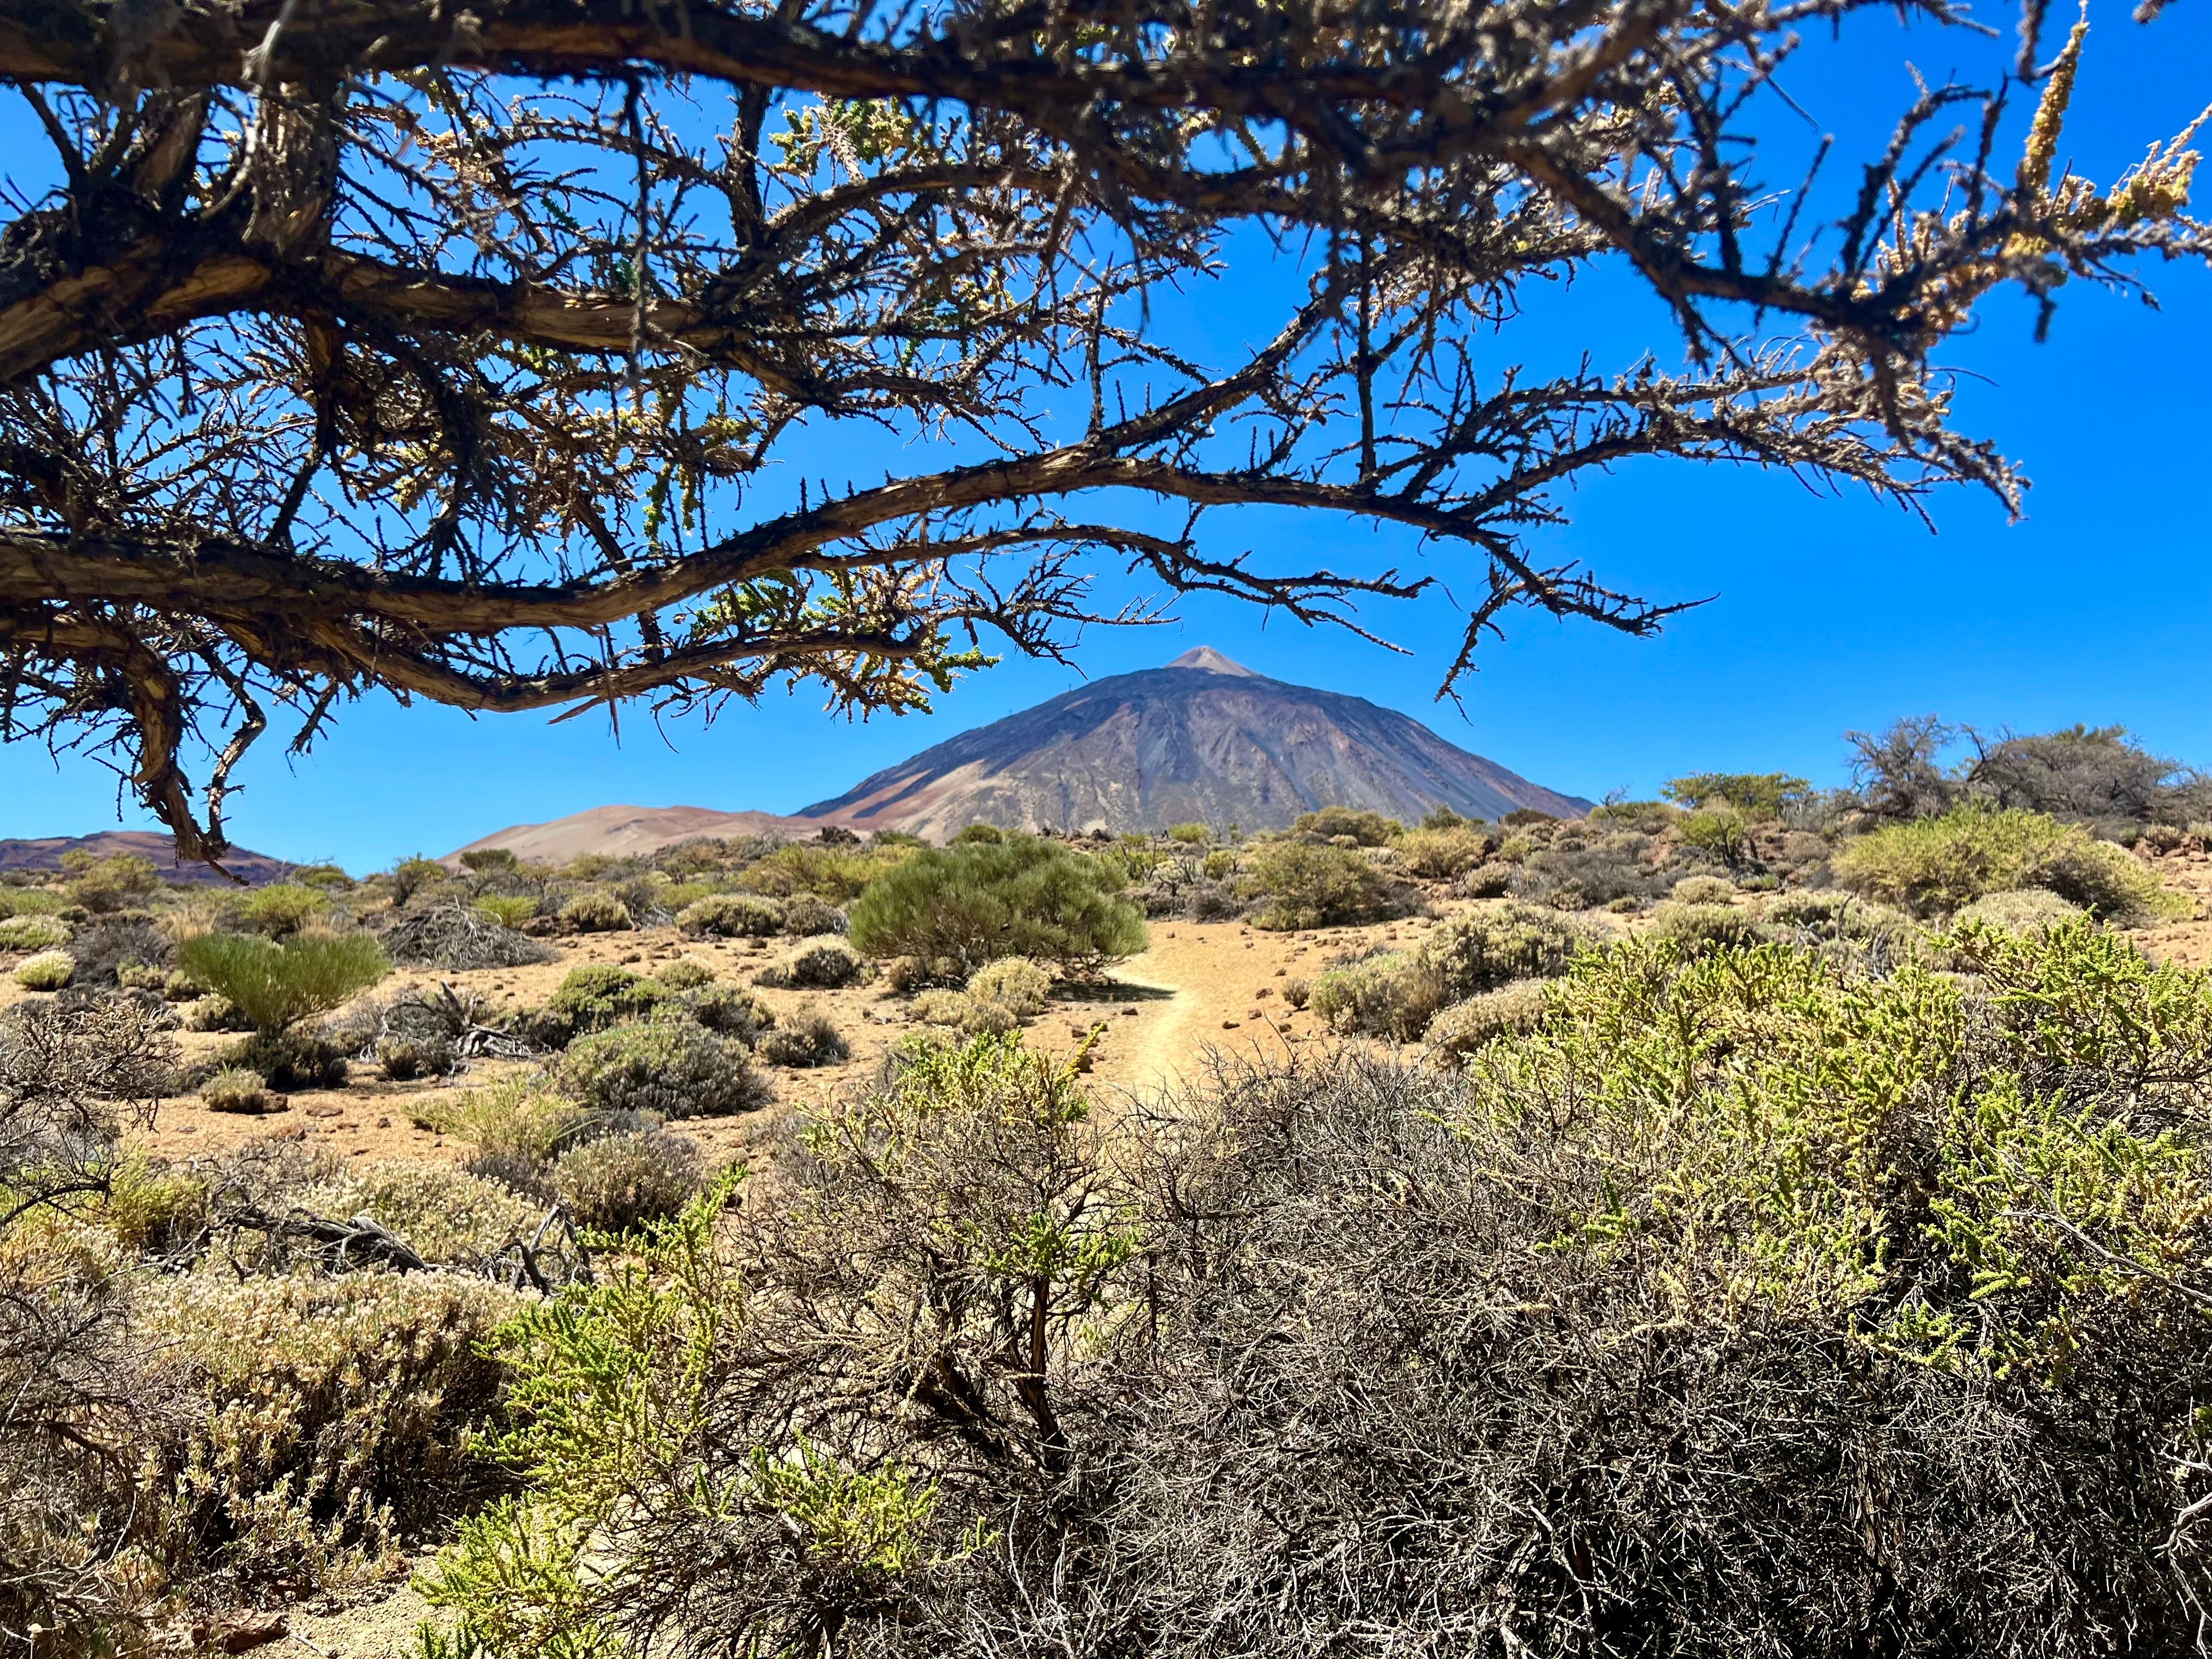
[(1395, 994), (1480, 949), (619, 1183), (731, 915), (1704, 890), (444, 1214), (235, 1089), (803, 1037), (2023, 911), (684, 973), (823, 966), (729, 1010), (1023, 987), (805, 915), (1466, 1026), (676, 1070)]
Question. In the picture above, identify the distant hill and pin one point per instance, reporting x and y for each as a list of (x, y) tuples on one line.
[(45, 852), (617, 830), (1201, 739)]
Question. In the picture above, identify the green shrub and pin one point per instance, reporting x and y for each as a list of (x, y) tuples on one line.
[(49, 970), (803, 1037), (111, 883), (1509, 1011), (490, 861), (672, 1071), (1303, 885), (980, 833), (619, 1183), (595, 913), (1024, 896), (1480, 949), (410, 876), (1441, 853), (1219, 865), (1721, 831), (1021, 987), (508, 909), (273, 985), (1395, 994), (731, 915), (1189, 834), (1297, 992), (235, 1090), (1760, 796), (1933, 866), (1367, 828), (684, 973), (596, 996), (835, 873), (2023, 911), (280, 908), (1703, 927), (34, 933), (215, 1013)]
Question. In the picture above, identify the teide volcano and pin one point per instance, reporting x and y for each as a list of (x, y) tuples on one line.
[(1203, 738)]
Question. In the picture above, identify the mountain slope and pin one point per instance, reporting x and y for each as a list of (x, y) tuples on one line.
[(619, 830), (1202, 739), (45, 852)]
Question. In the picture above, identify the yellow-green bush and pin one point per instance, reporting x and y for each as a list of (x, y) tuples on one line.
[(672, 1071), (1440, 854), (274, 986), (593, 912), (1933, 866), (1394, 994), (731, 915), (34, 933), (49, 970), (280, 908), (507, 909)]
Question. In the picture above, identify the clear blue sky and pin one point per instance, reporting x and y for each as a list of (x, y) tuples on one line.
[(1829, 613)]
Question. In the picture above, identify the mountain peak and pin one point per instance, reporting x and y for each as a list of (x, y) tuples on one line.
[(1205, 657)]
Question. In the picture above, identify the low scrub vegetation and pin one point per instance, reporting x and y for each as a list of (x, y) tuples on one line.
[(958, 908), (276, 985), (1916, 1249), (1933, 866), (672, 1071), (1299, 885)]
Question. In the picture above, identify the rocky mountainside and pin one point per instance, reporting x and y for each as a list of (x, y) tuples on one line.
[(45, 852), (1203, 738)]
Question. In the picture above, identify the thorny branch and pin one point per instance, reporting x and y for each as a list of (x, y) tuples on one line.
[(466, 354)]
